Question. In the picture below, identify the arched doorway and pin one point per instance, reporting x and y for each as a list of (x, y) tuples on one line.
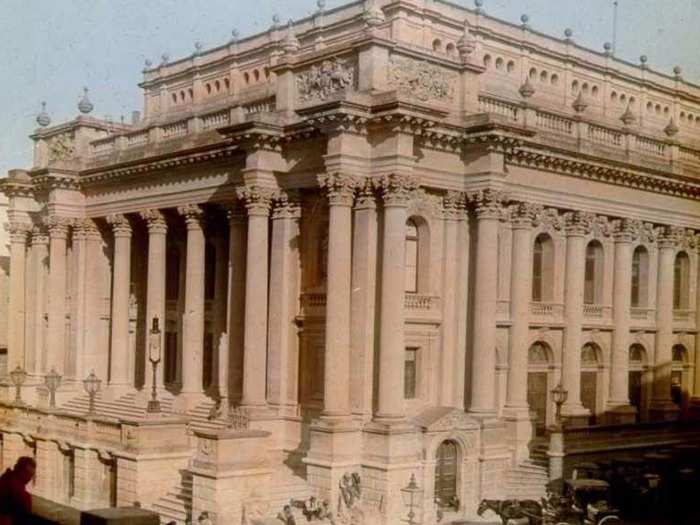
[(446, 475), (589, 379), (637, 363), (537, 384)]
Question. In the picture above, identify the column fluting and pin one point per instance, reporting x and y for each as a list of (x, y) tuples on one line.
[(16, 323), (56, 348), (121, 284)]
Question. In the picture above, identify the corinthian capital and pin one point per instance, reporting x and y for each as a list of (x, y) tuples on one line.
[(669, 236), (488, 203), (257, 199), (397, 189), (84, 229), (579, 223), (339, 187), (525, 214), (366, 198), (18, 231), (155, 220), (39, 236), (58, 225), (454, 204), (120, 224), (626, 230), (286, 205), (193, 215)]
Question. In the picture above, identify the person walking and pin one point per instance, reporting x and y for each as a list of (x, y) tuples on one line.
[(15, 500)]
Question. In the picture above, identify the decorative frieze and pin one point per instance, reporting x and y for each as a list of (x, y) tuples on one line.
[(421, 80), (120, 224), (61, 147), (329, 78), (397, 189), (256, 199), (339, 187), (155, 220)]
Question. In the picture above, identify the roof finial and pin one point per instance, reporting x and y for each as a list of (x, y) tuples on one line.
[(164, 59), (524, 19), (234, 36), (678, 72), (321, 4), (198, 46), (85, 106), (608, 47), (643, 62), (568, 33), (479, 6), (43, 118), (290, 44)]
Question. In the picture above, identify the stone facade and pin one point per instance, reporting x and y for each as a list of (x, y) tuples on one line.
[(383, 234)]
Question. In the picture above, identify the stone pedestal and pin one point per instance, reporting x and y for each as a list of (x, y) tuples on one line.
[(336, 448), (494, 458), (151, 459), (231, 476), (519, 425), (556, 454)]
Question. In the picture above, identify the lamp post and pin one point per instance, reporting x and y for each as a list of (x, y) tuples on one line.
[(409, 493), (18, 376), (92, 386), (154, 356), (52, 380), (556, 435)]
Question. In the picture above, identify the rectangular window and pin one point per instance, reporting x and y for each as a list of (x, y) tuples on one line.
[(411, 265), (317, 372), (589, 283), (635, 283), (410, 373), (537, 276), (677, 284)]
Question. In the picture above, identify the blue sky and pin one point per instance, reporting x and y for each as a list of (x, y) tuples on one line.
[(50, 49)]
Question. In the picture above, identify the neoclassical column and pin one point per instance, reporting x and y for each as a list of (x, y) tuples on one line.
[(94, 357), (578, 225), (662, 406), (219, 307), (339, 189), (56, 347), (193, 317), (362, 300), (155, 286), (396, 191), (282, 332), (696, 386), (257, 201), (522, 217), (619, 403), (488, 205), (121, 285), (236, 301), (81, 233), (36, 306), (19, 232)]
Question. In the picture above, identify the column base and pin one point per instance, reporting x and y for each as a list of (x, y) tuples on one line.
[(519, 431), (494, 457), (663, 410), (620, 413)]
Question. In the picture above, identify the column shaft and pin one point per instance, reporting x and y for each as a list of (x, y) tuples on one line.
[(35, 301), (284, 263), (483, 383), (219, 307), (337, 333), (396, 193), (193, 317), (622, 290), (255, 325), (121, 288), (79, 312), (56, 347), (236, 302), (661, 396), (520, 296), (16, 306), (449, 310), (155, 288)]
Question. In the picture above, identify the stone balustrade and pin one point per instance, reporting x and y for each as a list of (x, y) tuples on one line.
[(596, 311), (547, 310), (642, 314)]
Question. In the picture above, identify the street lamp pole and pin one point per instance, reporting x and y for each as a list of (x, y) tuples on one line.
[(52, 380), (556, 436), (18, 376), (409, 492), (154, 356), (92, 386)]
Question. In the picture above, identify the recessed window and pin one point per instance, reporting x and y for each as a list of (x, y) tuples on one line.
[(450, 49), (256, 75), (613, 96), (640, 273), (594, 91), (533, 73), (246, 78), (542, 268), (487, 60), (499, 63), (584, 88), (182, 96), (437, 45), (174, 95), (681, 281), (217, 86), (593, 278), (208, 88), (411, 257), (510, 66), (544, 76), (410, 375)]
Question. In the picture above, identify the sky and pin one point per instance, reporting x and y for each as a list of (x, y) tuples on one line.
[(50, 49)]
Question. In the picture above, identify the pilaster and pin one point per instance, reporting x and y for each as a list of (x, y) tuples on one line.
[(16, 323), (58, 227), (36, 307)]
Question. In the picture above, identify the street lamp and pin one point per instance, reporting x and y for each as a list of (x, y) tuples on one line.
[(409, 493), (92, 387), (559, 395), (52, 380), (556, 436), (154, 356), (18, 376)]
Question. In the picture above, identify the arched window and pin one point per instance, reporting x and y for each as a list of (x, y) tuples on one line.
[(542, 269), (450, 49), (411, 256), (593, 282), (437, 45), (322, 254), (681, 281), (640, 277), (679, 359)]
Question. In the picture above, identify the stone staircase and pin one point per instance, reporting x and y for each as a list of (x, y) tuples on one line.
[(124, 407), (528, 480), (176, 505), (289, 482), (199, 417)]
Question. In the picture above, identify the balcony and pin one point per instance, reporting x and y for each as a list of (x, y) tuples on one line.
[(416, 301), (596, 311), (642, 314), (314, 303), (550, 311), (685, 317)]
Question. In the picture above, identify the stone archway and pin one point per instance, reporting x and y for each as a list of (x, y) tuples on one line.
[(446, 470), (590, 378), (538, 369)]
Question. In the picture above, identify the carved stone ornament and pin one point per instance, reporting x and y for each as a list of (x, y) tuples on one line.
[(454, 205), (120, 224), (321, 81), (524, 214), (551, 220), (601, 226), (39, 236), (193, 215), (421, 80), (61, 147), (488, 203), (155, 220), (579, 223), (445, 419), (58, 225), (257, 199), (340, 188), (397, 189), (18, 231), (84, 229), (286, 205)]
